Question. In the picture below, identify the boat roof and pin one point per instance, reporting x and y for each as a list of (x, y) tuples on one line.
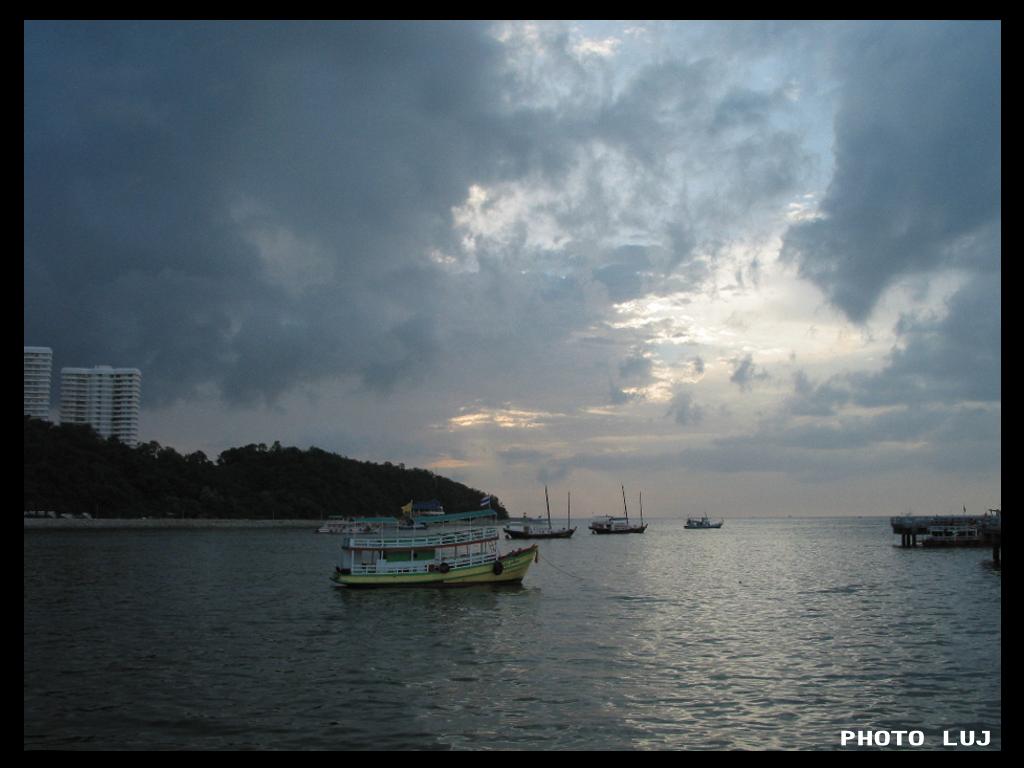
[(424, 506), (455, 516)]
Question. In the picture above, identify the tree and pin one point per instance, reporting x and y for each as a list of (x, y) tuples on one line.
[(69, 468)]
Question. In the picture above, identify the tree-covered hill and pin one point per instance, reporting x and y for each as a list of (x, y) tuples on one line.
[(70, 469)]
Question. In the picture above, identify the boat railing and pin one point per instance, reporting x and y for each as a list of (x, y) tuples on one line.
[(958, 531), (422, 566), (399, 541), (922, 524)]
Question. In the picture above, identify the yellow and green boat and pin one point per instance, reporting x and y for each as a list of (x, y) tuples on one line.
[(445, 550)]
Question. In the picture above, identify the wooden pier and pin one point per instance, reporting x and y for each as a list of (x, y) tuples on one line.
[(951, 531)]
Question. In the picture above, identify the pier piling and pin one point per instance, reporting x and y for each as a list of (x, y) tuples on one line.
[(908, 540)]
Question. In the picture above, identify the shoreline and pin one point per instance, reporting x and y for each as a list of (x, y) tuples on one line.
[(55, 524)]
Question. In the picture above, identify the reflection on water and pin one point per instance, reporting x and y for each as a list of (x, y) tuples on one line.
[(764, 634)]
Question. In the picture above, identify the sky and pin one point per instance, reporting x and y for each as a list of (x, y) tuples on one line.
[(742, 268)]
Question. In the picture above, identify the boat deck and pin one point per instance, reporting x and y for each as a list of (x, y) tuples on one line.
[(399, 539)]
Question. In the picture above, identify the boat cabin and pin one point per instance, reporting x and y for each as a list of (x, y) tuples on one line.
[(952, 535), (611, 523), (433, 542)]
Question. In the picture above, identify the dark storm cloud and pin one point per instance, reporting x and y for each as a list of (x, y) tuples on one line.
[(733, 147), (149, 146), (623, 281), (636, 367), (676, 155), (685, 410), (955, 358), (251, 206), (810, 399), (246, 208), (917, 161), (946, 361), (745, 372), (617, 396), (958, 441)]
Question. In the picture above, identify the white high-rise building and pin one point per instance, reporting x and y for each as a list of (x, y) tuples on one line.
[(38, 369), (105, 398)]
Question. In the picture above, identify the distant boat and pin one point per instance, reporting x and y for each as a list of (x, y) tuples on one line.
[(698, 523), (534, 528), (335, 524), (343, 525), (606, 524)]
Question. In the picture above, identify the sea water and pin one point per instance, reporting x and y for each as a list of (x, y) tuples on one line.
[(765, 634)]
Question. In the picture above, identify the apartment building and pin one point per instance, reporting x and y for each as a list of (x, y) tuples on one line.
[(38, 369), (105, 398)]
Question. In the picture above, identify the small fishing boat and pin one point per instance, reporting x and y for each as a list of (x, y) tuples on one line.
[(535, 528), (606, 524), (442, 550), (335, 524), (339, 524), (700, 523)]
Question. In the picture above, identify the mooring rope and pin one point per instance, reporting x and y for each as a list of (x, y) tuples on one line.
[(547, 559)]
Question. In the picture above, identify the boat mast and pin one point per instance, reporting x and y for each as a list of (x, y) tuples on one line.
[(548, 504), (624, 503), (641, 507), (568, 509)]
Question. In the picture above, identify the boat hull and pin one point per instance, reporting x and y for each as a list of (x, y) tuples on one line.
[(513, 568), (606, 531), (514, 534)]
